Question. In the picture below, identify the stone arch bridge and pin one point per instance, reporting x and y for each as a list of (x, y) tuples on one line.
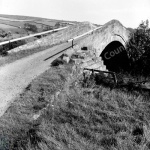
[(108, 47)]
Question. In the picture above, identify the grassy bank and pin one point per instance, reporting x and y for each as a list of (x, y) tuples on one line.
[(55, 112)]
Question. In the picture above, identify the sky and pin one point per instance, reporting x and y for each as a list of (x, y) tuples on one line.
[(129, 12)]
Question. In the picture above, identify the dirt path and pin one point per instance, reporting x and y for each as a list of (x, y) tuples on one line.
[(16, 76)]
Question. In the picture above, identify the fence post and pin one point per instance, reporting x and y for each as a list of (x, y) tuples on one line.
[(72, 43)]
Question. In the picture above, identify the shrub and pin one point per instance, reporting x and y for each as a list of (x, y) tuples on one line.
[(30, 27)]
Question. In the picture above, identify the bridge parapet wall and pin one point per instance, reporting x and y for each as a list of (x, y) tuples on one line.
[(56, 38)]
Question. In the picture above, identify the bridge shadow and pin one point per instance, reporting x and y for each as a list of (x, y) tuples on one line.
[(115, 57)]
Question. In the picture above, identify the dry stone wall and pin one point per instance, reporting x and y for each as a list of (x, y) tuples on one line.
[(56, 37)]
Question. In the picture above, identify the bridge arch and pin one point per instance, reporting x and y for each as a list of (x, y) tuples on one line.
[(115, 57), (109, 43)]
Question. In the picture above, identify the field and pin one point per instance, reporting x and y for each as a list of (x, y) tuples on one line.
[(19, 21), (6, 26), (20, 24), (31, 18)]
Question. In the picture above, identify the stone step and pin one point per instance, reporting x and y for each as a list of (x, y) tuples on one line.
[(98, 59), (102, 68), (87, 59), (97, 66), (88, 63), (94, 65), (91, 62)]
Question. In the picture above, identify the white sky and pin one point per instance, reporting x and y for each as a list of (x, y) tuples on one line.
[(128, 12)]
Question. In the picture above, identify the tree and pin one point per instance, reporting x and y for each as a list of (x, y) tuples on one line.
[(138, 47), (30, 27), (147, 23), (58, 25), (139, 41), (144, 25)]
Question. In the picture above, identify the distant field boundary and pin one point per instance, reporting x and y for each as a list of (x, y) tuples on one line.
[(33, 35)]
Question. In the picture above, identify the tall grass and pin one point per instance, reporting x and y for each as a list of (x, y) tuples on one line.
[(56, 112)]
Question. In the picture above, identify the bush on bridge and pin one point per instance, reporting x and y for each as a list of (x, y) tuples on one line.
[(138, 49)]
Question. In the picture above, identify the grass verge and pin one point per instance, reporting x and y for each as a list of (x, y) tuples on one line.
[(56, 112)]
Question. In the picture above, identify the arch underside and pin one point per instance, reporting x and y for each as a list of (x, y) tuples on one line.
[(115, 57)]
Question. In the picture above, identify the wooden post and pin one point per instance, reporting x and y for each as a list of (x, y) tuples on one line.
[(72, 43)]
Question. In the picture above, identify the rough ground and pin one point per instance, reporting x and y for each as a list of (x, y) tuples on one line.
[(16, 76)]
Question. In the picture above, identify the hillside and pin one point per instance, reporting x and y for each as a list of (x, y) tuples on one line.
[(19, 26), (19, 17)]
